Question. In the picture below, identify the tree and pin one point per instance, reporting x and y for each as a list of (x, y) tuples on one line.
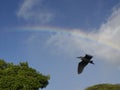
[(21, 77), (104, 87)]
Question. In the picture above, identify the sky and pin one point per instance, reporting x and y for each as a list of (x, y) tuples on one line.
[(49, 35)]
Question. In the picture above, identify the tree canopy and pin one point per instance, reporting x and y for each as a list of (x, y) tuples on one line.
[(21, 77), (104, 87)]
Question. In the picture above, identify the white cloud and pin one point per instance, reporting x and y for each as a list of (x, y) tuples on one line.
[(106, 45), (33, 10), (110, 31)]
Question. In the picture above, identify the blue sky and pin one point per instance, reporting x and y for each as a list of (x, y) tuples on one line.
[(51, 34)]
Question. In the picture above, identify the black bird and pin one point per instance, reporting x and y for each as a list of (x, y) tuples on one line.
[(85, 60)]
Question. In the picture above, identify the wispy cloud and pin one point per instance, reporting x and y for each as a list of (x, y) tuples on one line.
[(110, 31), (34, 11), (105, 46)]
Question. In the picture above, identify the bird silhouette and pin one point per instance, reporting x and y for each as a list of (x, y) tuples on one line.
[(85, 60)]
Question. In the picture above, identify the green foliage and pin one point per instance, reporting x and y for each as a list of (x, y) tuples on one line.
[(104, 87), (21, 77)]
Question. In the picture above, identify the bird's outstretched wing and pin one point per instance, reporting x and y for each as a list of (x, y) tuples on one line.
[(81, 66), (88, 56)]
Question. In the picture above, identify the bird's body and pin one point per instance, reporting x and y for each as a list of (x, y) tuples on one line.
[(85, 60)]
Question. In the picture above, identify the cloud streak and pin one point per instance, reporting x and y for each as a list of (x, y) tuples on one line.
[(103, 44), (34, 11), (106, 45)]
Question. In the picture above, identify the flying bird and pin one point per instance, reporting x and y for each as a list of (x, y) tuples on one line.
[(85, 60)]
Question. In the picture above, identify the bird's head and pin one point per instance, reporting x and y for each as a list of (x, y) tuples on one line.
[(91, 62)]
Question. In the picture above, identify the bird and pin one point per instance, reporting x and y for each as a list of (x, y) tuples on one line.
[(85, 60)]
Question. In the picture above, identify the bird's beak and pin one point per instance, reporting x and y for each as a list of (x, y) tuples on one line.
[(92, 62)]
